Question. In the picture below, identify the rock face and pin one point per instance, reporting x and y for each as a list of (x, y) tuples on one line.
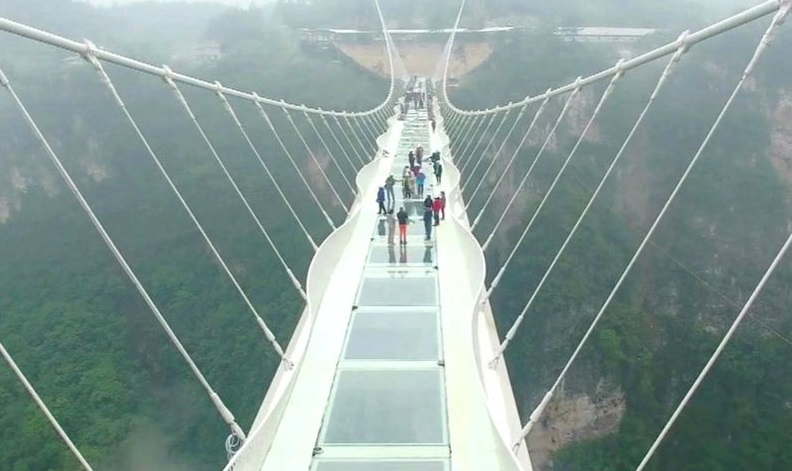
[(420, 57), (575, 418)]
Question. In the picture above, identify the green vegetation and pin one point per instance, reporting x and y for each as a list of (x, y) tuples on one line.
[(100, 360), (69, 315), (719, 236)]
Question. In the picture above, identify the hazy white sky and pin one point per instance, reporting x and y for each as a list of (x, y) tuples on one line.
[(238, 3)]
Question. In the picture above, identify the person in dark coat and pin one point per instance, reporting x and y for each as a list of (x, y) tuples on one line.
[(381, 201), (427, 203), (403, 219), (427, 217), (438, 171)]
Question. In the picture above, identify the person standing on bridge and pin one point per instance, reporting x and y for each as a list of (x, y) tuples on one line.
[(420, 179), (401, 216), (411, 159), (436, 206), (407, 185), (381, 201), (438, 171), (390, 219), (427, 218), (389, 182)]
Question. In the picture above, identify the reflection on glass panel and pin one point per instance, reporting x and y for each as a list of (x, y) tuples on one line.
[(414, 228), (398, 291), (401, 254), (387, 407), (393, 336), (381, 466)]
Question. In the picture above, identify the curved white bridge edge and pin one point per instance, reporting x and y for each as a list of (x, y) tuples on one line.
[(322, 265), (495, 383)]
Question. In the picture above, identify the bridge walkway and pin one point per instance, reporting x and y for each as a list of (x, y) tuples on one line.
[(389, 381)]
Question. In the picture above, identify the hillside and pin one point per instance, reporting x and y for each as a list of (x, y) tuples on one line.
[(69, 315), (685, 290), (100, 360), (420, 58)]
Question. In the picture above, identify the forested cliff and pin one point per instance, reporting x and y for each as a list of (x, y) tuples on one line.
[(69, 315), (704, 260), (100, 360)]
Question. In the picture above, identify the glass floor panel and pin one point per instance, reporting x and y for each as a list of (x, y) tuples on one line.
[(396, 335), (415, 254), (396, 289), (414, 228), (387, 407), (391, 465)]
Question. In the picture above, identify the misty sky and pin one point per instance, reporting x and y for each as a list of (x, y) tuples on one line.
[(238, 3)]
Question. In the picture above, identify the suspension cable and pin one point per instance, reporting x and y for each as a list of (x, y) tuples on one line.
[(465, 155), (497, 154), (438, 72), (315, 160), (330, 152), (278, 255), (450, 122), (346, 151), (228, 417), (372, 125), (377, 120), (605, 95), (356, 135), (370, 131), (132, 64), (716, 354), (464, 134), (32, 392), (527, 174), (367, 138), (294, 165), (235, 118), (349, 140), (765, 41), (458, 132), (105, 78), (486, 149), (669, 69), (473, 153), (766, 8), (505, 170), (466, 138)]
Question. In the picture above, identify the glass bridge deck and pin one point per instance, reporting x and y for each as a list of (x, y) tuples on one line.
[(389, 380), (388, 400)]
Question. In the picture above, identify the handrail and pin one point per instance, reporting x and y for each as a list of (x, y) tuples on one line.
[(164, 72), (686, 40)]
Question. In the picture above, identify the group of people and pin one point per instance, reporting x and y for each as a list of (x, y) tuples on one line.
[(433, 213), (419, 94), (413, 177)]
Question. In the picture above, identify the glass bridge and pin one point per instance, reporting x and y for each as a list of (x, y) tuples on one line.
[(391, 377)]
